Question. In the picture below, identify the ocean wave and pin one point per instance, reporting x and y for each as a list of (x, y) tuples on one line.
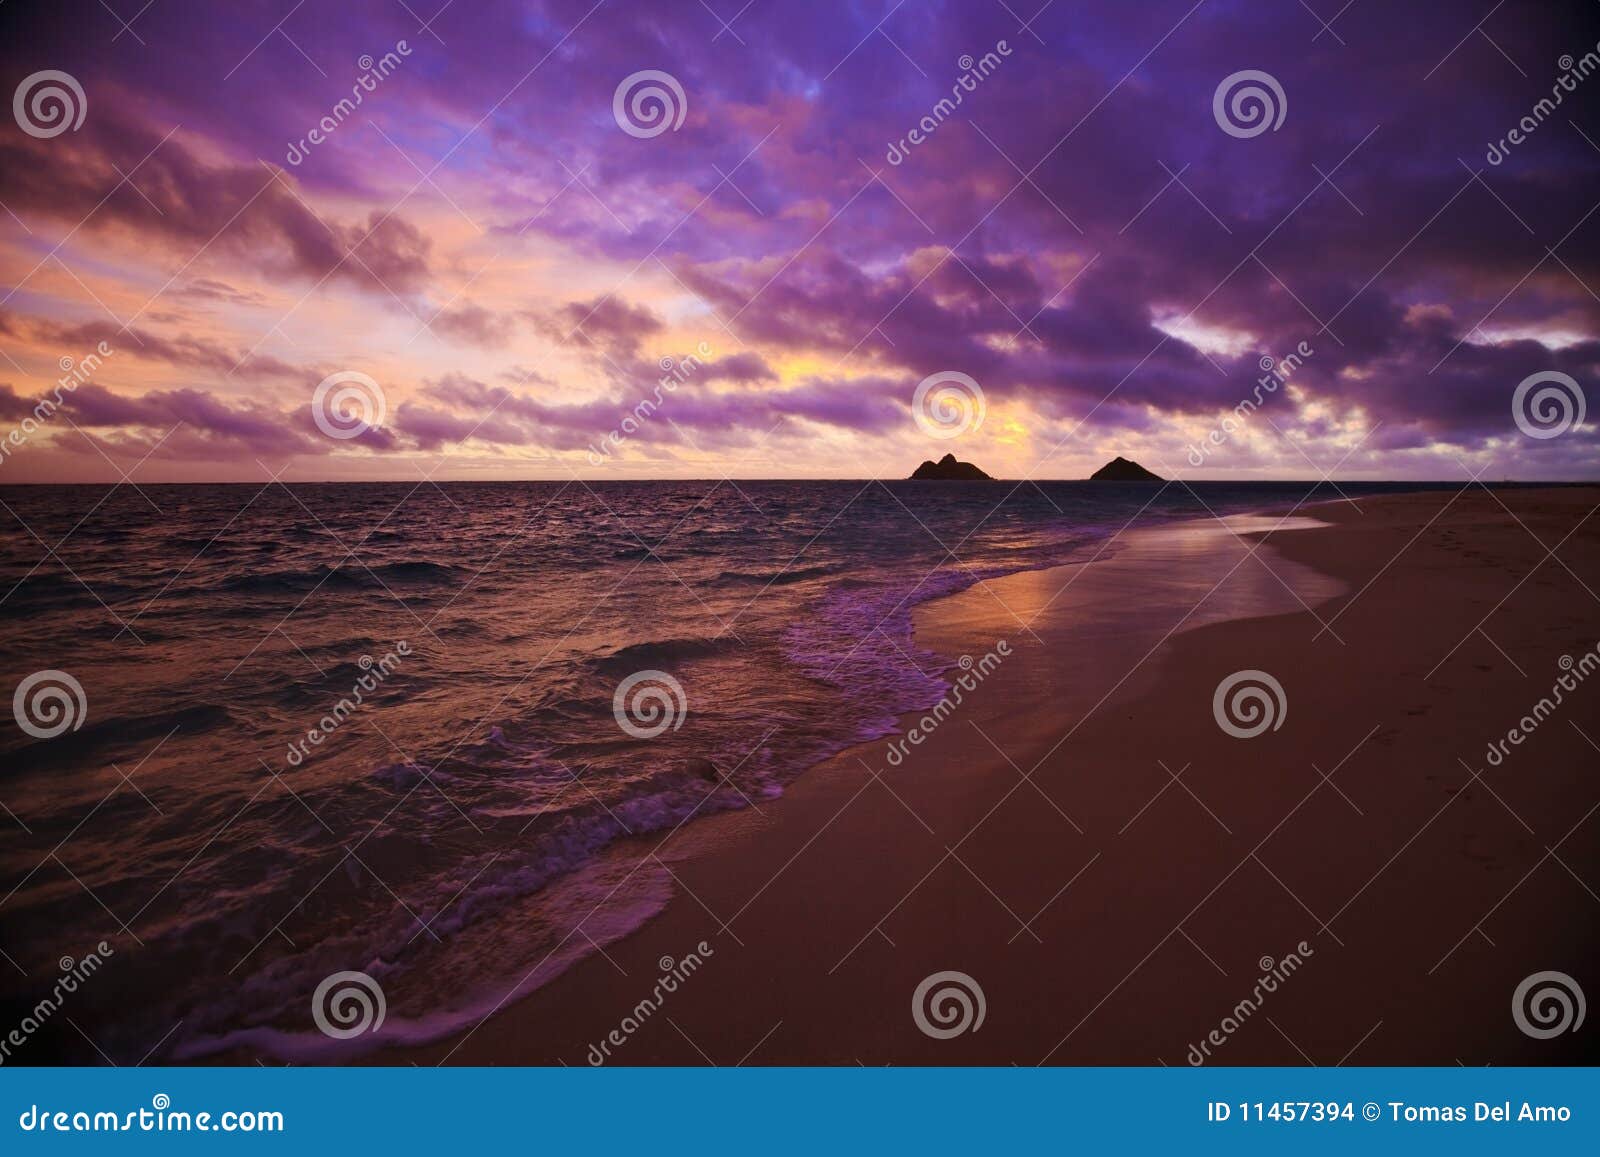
[(663, 653), (560, 858), (781, 577), (103, 737), (350, 575)]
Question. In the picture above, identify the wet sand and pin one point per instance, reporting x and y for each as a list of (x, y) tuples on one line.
[(1114, 870)]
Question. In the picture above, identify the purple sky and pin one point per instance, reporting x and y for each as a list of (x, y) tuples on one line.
[(508, 266)]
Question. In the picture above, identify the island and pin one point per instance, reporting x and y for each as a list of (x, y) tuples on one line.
[(947, 469), (1120, 469)]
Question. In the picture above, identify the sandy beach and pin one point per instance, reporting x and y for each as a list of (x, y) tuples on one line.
[(1114, 870)]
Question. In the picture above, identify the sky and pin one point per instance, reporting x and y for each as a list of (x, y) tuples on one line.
[(787, 249)]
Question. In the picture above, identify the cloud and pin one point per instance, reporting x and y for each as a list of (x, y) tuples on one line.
[(182, 351), (121, 175), (1080, 238), (607, 325), (474, 325), (211, 289)]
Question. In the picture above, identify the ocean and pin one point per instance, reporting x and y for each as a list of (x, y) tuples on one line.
[(376, 727)]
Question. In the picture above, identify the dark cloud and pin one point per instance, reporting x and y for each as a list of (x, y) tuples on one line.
[(211, 289), (607, 325), (473, 325), (123, 174), (182, 351)]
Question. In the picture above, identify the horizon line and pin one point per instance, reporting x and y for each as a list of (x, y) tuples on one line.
[(1328, 481)]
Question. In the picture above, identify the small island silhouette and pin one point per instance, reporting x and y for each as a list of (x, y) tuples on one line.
[(1121, 469), (947, 469)]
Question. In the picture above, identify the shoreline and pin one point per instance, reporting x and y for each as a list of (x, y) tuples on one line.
[(949, 639), (821, 907)]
